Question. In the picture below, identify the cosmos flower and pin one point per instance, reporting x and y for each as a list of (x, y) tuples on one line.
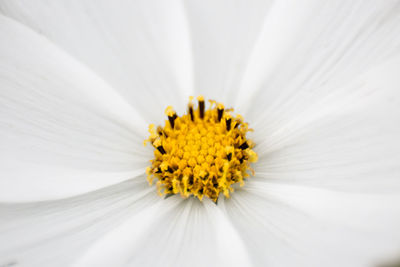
[(80, 82)]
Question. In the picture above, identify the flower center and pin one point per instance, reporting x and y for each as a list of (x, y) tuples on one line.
[(202, 153)]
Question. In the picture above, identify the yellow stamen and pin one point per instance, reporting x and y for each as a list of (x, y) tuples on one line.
[(202, 153)]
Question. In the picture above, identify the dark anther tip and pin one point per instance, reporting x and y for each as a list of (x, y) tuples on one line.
[(228, 124), (244, 146), (201, 108), (220, 113), (191, 113), (161, 149), (172, 120)]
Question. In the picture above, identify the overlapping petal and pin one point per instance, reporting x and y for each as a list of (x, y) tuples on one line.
[(347, 140), (322, 93), (185, 232), (286, 225), (326, 190), (63, 130), (308, 50), (223, 35), (57, 233), (141, 48)]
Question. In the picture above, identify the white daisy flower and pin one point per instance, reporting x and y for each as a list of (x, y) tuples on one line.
[(318, 81)]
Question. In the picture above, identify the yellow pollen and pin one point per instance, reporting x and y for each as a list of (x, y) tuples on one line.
[(202, 153)]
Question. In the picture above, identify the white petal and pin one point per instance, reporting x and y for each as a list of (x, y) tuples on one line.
[(348, 140), (141, 48), (57, 233), (306, 46), (184, 233), (223, 35), (115, 248), (232, 251), (285, 225), (63, 130), (325, 102)]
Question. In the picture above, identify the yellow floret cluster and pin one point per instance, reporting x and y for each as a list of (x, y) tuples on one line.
[(202, 153)]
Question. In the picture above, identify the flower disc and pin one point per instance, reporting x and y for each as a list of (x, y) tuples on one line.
[(202, 153)]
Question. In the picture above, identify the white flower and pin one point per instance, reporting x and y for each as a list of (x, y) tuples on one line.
[(81, 80)]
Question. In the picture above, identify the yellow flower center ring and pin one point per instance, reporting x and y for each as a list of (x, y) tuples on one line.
[(202, 153)]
